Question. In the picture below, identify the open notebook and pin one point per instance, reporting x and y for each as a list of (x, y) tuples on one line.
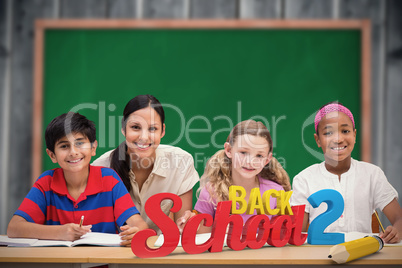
[(89, 239)]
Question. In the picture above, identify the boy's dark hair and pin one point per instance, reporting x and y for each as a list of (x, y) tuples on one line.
[(69, 123)]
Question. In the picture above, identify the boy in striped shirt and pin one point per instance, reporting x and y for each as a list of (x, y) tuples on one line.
[(60, 197)]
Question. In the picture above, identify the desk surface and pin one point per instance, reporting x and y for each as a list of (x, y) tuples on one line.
[(305, 254)]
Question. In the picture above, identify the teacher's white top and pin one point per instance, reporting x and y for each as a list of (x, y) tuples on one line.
[(173, 172)]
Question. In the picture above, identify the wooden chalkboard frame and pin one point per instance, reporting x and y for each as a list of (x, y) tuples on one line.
[(42, 25)]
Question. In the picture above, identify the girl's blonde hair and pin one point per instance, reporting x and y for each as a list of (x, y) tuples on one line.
[(217, 176)]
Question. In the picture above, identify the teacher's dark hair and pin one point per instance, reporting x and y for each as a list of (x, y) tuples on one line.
[(120, 160)]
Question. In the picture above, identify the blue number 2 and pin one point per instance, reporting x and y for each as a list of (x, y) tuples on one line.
[(316, 235)]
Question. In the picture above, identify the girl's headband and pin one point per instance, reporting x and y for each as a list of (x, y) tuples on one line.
[(333, 107)]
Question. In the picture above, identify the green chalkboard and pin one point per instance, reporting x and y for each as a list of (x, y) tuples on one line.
[(208, 80)]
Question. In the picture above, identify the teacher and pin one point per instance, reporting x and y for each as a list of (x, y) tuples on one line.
[(147, 167)]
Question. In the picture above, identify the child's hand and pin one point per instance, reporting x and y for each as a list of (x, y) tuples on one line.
[(127, 234), (391, 235), (72, 231), (183, 219)]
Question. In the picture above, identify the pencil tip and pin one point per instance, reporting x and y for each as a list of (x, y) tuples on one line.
[(329, 256)]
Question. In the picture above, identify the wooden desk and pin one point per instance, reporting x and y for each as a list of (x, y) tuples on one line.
[(288, 256), (46, 256)]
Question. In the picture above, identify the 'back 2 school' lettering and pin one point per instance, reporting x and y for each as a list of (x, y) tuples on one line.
[(257, 230)]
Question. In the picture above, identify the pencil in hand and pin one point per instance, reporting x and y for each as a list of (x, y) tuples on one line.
[(378, 219), (81, 221)]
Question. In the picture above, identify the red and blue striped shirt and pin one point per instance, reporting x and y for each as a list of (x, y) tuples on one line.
[(105, 203)]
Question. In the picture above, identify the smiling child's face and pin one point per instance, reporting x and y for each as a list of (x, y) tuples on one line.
[(73, 153), (336, 136), (249, 155)]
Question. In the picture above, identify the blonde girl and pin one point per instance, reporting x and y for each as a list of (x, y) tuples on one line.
[(246, 161)]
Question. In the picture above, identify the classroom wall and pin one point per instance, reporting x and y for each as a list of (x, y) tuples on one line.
[(16, 67)]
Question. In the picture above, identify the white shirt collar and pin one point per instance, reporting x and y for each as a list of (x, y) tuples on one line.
[(330, 175)]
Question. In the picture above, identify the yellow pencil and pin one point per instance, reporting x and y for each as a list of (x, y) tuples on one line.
[(355, 249), (378, 219)]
